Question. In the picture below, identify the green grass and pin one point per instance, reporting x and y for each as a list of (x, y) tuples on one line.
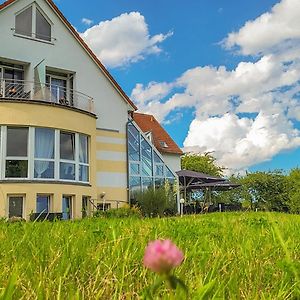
[(227, 256)]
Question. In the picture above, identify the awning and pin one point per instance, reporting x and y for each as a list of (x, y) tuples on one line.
[(215, 186)]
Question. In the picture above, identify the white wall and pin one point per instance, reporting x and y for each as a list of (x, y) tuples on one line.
[(67, 54), (173, 161)]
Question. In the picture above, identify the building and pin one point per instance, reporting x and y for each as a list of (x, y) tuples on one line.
[(68, 140), (162, 141)]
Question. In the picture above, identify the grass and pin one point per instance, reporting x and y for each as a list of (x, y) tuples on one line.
[(228, 256)]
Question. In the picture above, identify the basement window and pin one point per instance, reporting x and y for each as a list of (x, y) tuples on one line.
[(32, 23)]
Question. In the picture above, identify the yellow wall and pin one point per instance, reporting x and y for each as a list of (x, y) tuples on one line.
[(112, 142), (58, 117)]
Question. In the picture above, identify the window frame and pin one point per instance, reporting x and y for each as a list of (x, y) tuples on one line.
[(49, 202), (16, 158), (30, 158), (154, 152), (33, 34)]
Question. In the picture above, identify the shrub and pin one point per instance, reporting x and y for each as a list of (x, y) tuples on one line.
[(122, 212), (156, 202)]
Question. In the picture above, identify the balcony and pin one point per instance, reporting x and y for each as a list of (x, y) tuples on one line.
[(20, 90)]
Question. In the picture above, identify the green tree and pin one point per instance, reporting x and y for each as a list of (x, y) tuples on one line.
[(267, 190), (294, 191), (204, 163)]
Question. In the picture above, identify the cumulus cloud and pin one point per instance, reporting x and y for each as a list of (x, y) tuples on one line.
[(272, 29), (123, 40), (240, 142), (245, 115)]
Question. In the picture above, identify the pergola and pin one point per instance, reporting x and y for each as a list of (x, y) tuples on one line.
[(190, 180)]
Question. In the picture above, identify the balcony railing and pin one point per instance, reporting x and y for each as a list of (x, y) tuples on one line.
[(27, 91)]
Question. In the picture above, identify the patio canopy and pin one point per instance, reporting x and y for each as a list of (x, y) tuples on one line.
[(215, 186), (190, 180), (187, 177)]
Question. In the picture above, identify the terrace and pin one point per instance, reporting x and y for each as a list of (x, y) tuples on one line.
[(21, 90)]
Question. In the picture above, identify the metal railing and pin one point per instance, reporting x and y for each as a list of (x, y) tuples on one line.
[(12, 89)]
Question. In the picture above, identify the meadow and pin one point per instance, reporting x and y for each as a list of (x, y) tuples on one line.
[(227, 256)]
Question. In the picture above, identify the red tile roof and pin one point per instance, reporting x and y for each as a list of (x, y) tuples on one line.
[(149, 124), (85, 46)]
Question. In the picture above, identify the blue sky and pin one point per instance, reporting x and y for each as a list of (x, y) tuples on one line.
[(221, 76)]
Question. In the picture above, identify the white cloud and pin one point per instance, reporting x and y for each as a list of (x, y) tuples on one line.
[(123, 40), (87, 21), (240, 142), (246, 114), (272, 29)]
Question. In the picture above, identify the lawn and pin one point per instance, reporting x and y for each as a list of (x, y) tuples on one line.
[(227, 256)]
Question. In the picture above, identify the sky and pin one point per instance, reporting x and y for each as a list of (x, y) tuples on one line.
[(221, 76)]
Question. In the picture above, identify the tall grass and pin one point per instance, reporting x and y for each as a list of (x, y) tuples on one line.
[(228, 256)]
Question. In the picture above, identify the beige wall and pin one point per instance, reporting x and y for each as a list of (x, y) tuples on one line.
[(112, 167), (28, 114)]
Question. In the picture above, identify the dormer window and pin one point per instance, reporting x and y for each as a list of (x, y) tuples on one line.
[(31, 22), (163, 144)]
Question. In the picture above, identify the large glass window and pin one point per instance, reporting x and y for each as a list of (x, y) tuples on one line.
[(146, 166), (44, 153), (133, 143), (67, 145), (147, 169), (67, 155), (16, 152)]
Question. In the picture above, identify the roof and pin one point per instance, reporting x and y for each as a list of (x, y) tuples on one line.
[(215, 186), (148, 123), (188, 178), (85, 46)]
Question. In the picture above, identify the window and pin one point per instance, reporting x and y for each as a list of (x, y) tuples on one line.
[(67, 155), (67, 207), (85, 206), (43, 28), (163, 144), (146, 158), (25, 25), (83, 158), (15, 206), (10, 80), (147, 168), (42, 204), (16, 152), (67, 145), (44, 153), (24, 22), (133, 143)]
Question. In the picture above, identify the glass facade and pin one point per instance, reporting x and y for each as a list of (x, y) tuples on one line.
[(146, 166)]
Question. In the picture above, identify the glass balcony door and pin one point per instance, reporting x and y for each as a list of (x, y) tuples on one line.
[(60, 87), (11, 82)]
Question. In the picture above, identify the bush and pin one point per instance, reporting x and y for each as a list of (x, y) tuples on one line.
[(122, 212), (156, 202)]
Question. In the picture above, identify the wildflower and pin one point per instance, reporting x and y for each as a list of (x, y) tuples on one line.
[(162, 256)]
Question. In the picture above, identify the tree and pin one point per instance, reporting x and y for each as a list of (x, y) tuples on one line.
[(204, 163), (267, 190), (294, 191)]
